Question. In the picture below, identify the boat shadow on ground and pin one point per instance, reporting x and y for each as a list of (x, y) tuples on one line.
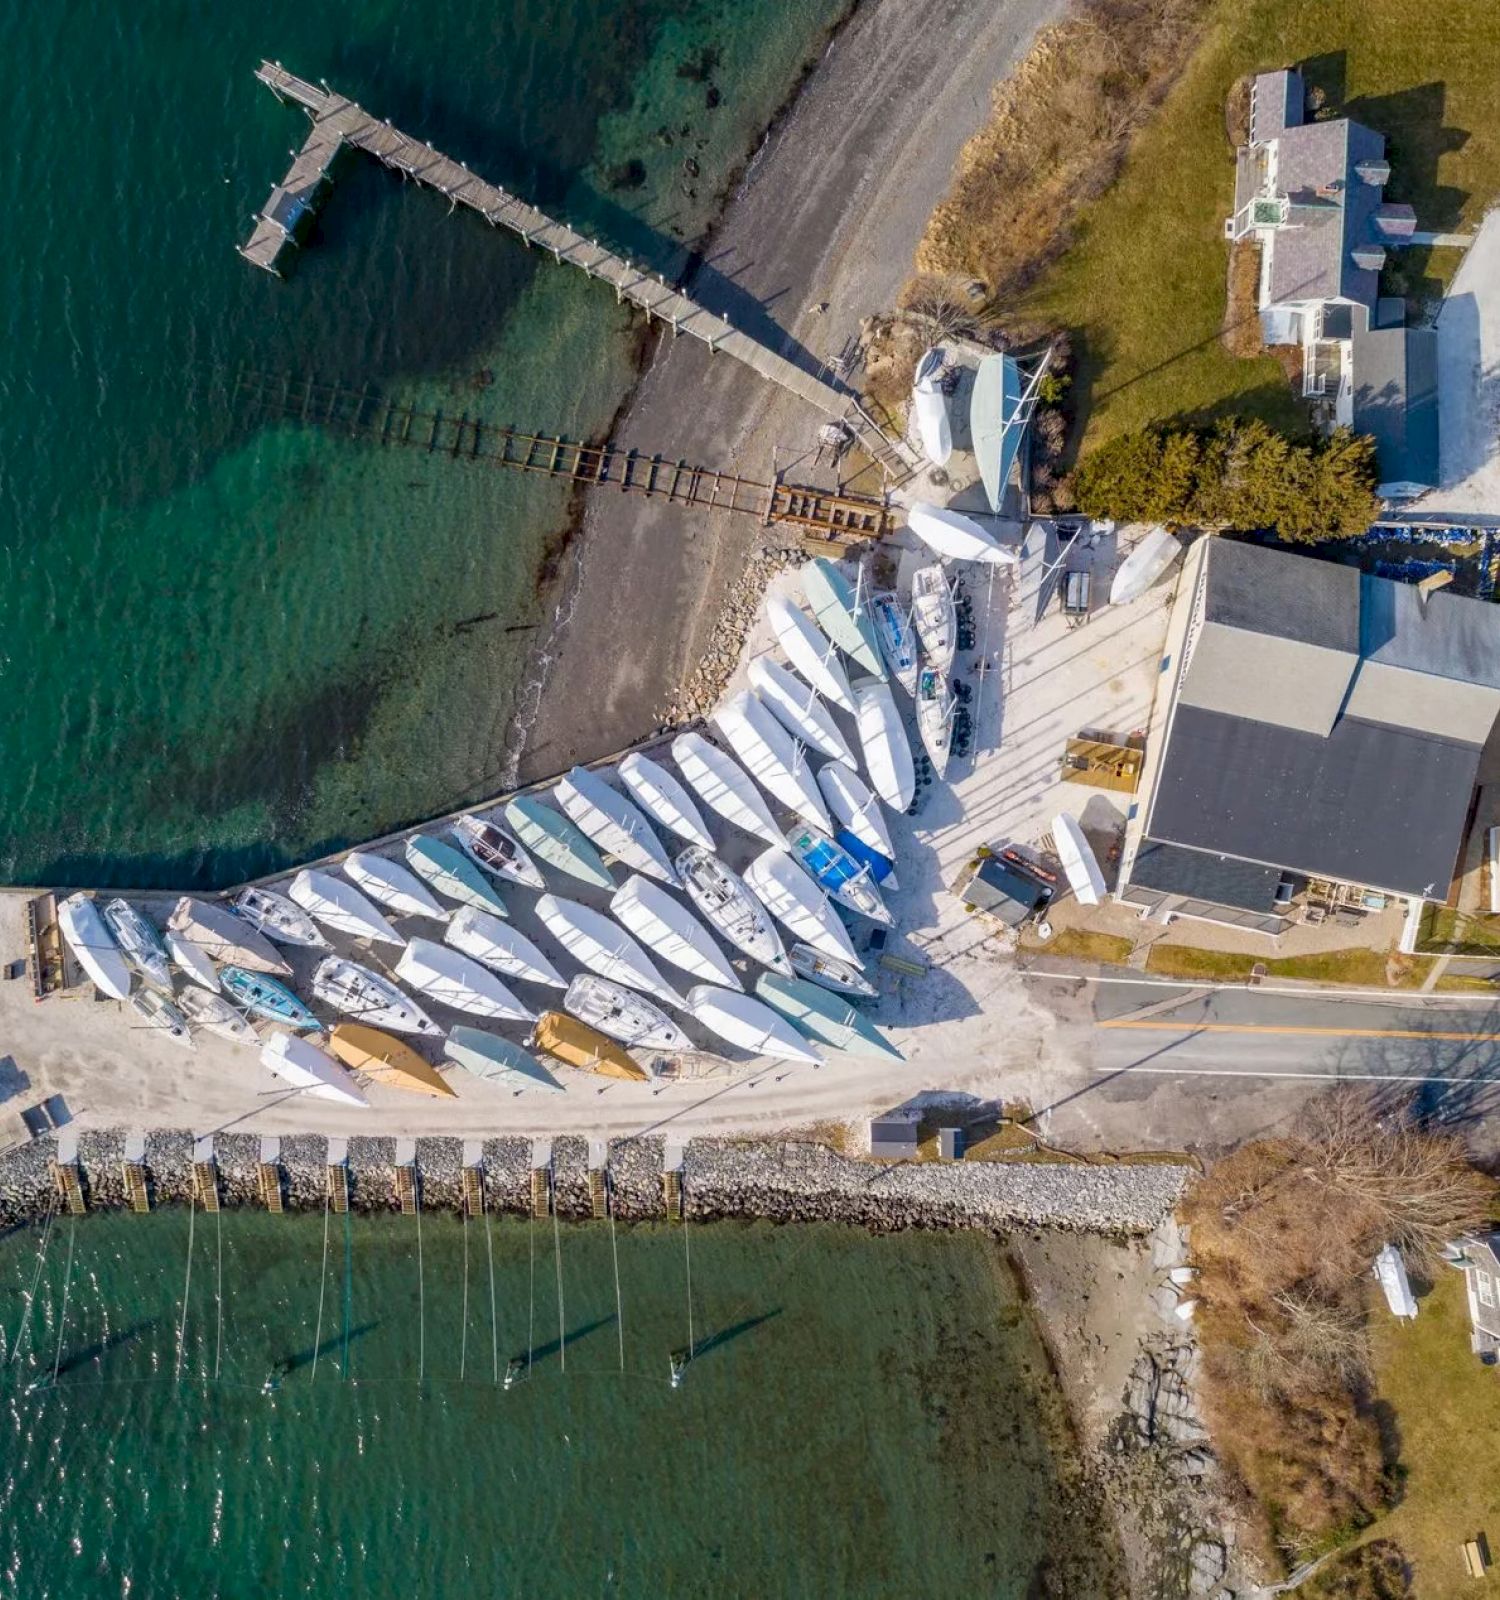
[(555, 1346), (735, 1330)]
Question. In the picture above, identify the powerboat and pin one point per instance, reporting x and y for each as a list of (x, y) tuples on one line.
[(857, 811), (843, 977), (929, 405), (935, 708), (809, 651), (622, 1014), (497, 850), (824, 1017), (214, 1012), (91, 942), (750, 1024), (798, 709), (887, 749), (950, 533), (139, 943), (934, 616), (666, 927), (602, 946), (157, 1011), (304, 1066), (278, 918), (262, 996), (497, 1060), (453, 874), (724, 900), (614, 824), (576, 1044), (798, 904), (838, 874), (1079, 862), (664, 799), (191, 959), (557, 841), (458, 981), (500, 947), (840, 612), (392, 885), (722, 785), (341, 906), (387, 1060), (771, 756), (898, 644), (359, 992), (1143, 566), (217, 931)]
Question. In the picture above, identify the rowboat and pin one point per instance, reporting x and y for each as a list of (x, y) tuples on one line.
[(771, 756), (578, 1045), (602, 946), (614, 824), (214, 1012), (750, 1024), (278, 918), (157, 1011), (387, 1060), (825, 1017), (934, 616), (341, 906), (666, 927), (809, 652), (1078, 860), (1143, 566), (857, 811), (724, 900), (500, 947), (304, 1066), (557, 841), (950, 533), (898, 644), (392, 885), (798, 709), (90, 940), (191, 960), (216, 930), (262, 995), (721, 784), (838, 874), (358, 992), (664, 799), (622, 1014), (798, 904), (843, 977), (839, 611), (497, 1060), (459, 981), (452, 873), (887, 750), (996, 423), (139, 943), (935, 708), (930, 407), (497, 850)]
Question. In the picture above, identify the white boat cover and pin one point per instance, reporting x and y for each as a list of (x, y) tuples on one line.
[(839, 610), (726, 901), (452, 873), (488, 1056), (622, 1014), (960, 538), (614, 824), (226, 937), (557, 841), (808, 651), (94, 945), (1078, 860), (369, 997), (501, 947), (1143, 566), (459, 981), (855, 809), (602, 946), (798, 709), (668, 928), (798, 904), (930, 405), (996, 427), (750, 1024), (303, 1065), (392, 885), (664, 799), (191, 959), (723, 787), (772, 757), (341, 906), (887, 749), (826, 1017)]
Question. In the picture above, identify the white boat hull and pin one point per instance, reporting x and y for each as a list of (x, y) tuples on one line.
[(664, 799), (856, 810), (226, 937), (278, 918), (930, 406), (501, 948), (622, 1014), (214, 1013), (139, 943), (458, 981), (959, 538), (1150, 559), (809, 652), (887, 749), (798, 904), (393, 886), (308, 1068), (935, 618), (342, 907), (1078, 860), (192, 960), (668, 929), (842, 977), (726, 902), (720, 782), (772, 757), (798, 709), (602, 946), (614, 824), (368, 997), (750, 1024), (94, 946), (935, 708)]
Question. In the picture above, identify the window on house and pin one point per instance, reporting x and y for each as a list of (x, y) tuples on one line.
[(1486, 1289)]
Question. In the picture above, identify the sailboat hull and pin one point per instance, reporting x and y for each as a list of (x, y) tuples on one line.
[(664, 800), (93, 945), (841, 614)]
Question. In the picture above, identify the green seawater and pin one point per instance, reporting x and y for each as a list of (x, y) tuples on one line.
[(863, 1416), (228, 643)]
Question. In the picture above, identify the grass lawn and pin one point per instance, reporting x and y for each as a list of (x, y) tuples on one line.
[(1363, 968), (1445, 929), (1182, 961), (1111, 948), (1143, 285), (1446, 1409)]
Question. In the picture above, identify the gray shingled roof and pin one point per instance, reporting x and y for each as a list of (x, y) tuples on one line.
[(1395, 400), (1220, 879), (1332, 210)]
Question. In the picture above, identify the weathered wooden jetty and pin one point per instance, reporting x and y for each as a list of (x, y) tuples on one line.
[(337, 122)]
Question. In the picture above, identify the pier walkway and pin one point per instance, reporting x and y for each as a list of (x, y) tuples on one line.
[(337, 122)]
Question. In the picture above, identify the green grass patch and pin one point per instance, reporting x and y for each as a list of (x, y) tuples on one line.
[(1183, 961), (1082, 945), (1449, 932), (1362, 968)]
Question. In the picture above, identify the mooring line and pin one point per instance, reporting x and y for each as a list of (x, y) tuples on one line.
[(62, 1321), (531, 1309), (688, 1258), (36, 1278), (348, 1288), (489, 1245), (322, 1287), (463, 1342), (614, 1245), (219, 1295), (421, 1298), (562, 1337), (187, 1285)]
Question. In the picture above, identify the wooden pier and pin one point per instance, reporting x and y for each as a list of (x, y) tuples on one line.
[(337, 121)]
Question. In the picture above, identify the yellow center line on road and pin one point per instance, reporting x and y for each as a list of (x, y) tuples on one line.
[(1155, 1026)]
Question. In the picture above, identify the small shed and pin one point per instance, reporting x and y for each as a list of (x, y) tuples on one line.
[(951, 1144), (894, 1136)]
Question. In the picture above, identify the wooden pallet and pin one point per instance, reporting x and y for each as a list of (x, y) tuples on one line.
[(338, 1187), (69, 1183)]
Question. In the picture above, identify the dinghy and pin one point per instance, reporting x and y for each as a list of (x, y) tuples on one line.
[(995, 422), (857, 811), (459, 981), (960, 538), (667, 928), (929, 405), (366, 995), (278, 918), (214, 1012), (750, 1024), (557, 841), (809, 652), (887, 750), (622, 1014), (934, 616), (824, 1017), (898, 643), (94, 946), (341, 906), (304, 1066), (600, 945), (577, 1045), (798, 709), (721, 784), (191, 960), (452, 873), (838, 608), (798, 904), (386, 1060), (664, 799), (935, 708), (843, 977), (263, 996), (216, 930), (497, 850), (392, 885), (772, 757), (156, 1011), (139, 943), (501, 948), (614, 824), (497, 1060), (1078, 860), (838, 874), (727, 904), (1143, 566)]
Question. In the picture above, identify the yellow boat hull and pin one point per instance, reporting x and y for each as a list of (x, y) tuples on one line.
[(386, 1059), (577, 1045)]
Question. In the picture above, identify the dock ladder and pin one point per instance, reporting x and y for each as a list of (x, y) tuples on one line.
[(67, 1174), (337, 1160), (406, 1176), (473, 1178), (671, 1181), (205, 1173), (133, 1172), (268, 1173)]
